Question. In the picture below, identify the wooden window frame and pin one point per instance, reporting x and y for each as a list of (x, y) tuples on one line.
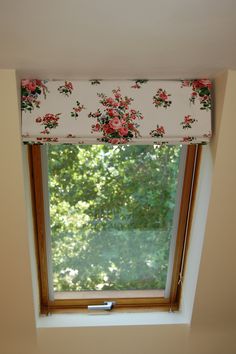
[(127, 302)]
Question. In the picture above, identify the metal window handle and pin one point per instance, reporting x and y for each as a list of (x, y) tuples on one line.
[(107, 306)]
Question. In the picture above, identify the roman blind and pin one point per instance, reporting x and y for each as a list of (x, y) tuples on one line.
[(116, 112)]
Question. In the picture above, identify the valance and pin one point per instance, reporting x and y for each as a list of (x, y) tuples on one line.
[(116, 112)]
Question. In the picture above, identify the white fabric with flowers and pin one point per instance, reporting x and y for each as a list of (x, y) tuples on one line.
[(116, 112)]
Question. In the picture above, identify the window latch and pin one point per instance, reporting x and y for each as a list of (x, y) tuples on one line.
[(106, 306)]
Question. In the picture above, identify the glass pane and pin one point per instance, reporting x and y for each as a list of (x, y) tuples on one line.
[(111, 211)]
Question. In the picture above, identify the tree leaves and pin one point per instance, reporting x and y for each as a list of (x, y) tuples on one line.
[(111, 210)]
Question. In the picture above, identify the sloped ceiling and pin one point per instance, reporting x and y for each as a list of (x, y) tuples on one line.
[(118, 39)]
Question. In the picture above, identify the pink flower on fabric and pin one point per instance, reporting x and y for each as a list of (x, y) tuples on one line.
[(123, 131), (187, 119), (131, 126), (115, 123), (31, 86), (161, 130), (161, 99), (116, 120), (24, 83), (123, 141), (163, 96), (206, 83), (30, 91), (158, 132), (111, 112), (136, 86), (114, 141), (202, 83), (66, 89), (201, 90), (107, 129), (110, 101), (96, 127), (76, 110), (187, 139), (69, 85), (185, 83)]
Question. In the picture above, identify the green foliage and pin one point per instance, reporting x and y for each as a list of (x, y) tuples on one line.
[(111, 210)]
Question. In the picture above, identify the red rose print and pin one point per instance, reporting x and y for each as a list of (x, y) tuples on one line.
[(49, 121), (188, 121), (30, 91), (116, 121), (77, 109), (96, 127), (161, 99), (158, 132), (202, 90), (123, 131), (31, 86), (66, 89)]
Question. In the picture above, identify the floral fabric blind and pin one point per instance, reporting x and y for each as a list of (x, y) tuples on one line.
[(116, 112)]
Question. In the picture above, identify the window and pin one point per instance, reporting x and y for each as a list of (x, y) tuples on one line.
[(111, 223)]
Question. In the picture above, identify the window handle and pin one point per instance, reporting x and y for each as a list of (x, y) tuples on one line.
[(107, 306)]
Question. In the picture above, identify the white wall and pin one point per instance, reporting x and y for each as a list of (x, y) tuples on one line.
[(213, 326), (17, 330)]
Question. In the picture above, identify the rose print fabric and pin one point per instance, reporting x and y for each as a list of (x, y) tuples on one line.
[(116, 112)]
